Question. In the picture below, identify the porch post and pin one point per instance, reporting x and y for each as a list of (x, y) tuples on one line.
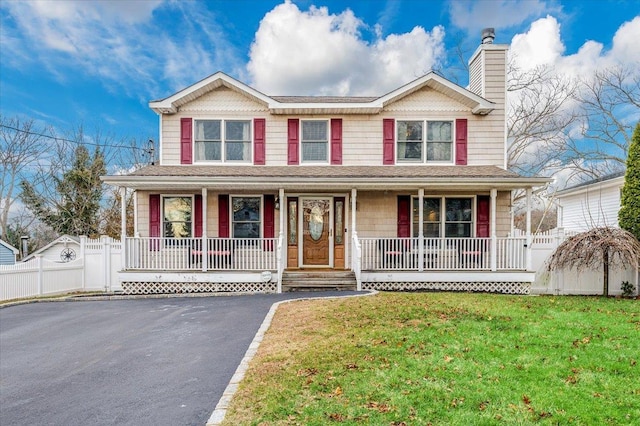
[(420, 230), (282, 261), (494, 239), (528, 244), (354, 193), (205, 248), (355, 266), (123, 228)]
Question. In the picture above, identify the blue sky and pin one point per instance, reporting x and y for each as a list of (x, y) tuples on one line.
[(99, 63)]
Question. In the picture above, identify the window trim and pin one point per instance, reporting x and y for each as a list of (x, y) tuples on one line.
[(260, 213), (443, 221), (223, 141), (162, 221), (423, 160), (327, 142)]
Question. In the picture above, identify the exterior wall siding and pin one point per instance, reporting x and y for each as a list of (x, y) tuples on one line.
[(594, 207), (362, 134)]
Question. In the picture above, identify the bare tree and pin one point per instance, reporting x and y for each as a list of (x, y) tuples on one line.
[(609, 104), (539, 112), (21, 147)]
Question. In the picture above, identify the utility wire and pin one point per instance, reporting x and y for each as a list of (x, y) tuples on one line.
[(72, 141)]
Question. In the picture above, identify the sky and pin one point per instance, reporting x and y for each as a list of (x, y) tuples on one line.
[(98, 63)]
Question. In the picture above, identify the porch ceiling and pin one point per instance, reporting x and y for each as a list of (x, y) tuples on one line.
[(319, 178)]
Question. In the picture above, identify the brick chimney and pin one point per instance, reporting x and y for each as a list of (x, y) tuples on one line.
[(488, 69)]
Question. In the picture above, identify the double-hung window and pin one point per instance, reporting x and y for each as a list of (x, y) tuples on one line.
[(427, 141), (177, 217), (222, 141), (315, 141), (448, 216), (246, 217)]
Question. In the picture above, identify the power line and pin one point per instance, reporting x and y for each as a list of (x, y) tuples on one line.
[(27, 132)]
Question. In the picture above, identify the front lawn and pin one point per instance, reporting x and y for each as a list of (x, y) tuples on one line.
[(446, 358)]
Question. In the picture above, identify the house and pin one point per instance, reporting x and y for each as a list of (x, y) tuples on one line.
[(63, 249), (407, 190), (8, 253), (591, 204)]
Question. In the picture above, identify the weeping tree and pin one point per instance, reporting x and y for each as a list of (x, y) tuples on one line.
[(604, 247)]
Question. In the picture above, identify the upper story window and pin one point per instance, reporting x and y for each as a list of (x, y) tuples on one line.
[(176, 217), (425, 141), (315, 141), (222, 141)]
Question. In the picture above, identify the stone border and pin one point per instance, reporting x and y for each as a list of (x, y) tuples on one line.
[(218, 414)]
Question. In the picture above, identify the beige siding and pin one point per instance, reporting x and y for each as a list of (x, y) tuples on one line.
[(503, 215), (221, 103), (362, 134)]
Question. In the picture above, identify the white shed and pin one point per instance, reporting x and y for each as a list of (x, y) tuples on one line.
[(63, 249)]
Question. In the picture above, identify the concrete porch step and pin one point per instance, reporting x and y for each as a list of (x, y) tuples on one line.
[(318, 281)]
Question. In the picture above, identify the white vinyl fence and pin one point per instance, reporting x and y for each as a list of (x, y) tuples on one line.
[(570, 281), (95, 269)]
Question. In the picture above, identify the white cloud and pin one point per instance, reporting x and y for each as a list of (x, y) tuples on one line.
[(542, 45), (119, 43), (314, 52), (473, 16)]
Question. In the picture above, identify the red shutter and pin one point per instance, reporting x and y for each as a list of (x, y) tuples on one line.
[(258, 141), (461, 141), (185, 141), (388, 140), (404, 216), (336, 141), (269, 220), (197, 216), (223, 216), (294, 141), (154, 215), (483, 221)]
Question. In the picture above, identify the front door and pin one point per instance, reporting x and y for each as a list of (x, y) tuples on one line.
[(317, 231)]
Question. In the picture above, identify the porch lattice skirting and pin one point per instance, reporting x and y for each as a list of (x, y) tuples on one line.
[(489, 287), (141, 287)]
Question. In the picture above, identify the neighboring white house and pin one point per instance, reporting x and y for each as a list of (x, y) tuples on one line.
[(590, 204), (8, 253), (63, 249)]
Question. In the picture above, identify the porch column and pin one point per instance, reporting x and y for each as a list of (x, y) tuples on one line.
[(494, 239), (528, 243), (354, 194), (282, 260), (123, 228), (420, 230), (134, 194), (205, 249), (354, 236)]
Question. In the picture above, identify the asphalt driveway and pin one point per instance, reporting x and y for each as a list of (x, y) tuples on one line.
[(127, 362)]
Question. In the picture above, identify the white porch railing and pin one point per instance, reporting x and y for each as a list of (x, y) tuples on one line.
[(179, 254), (448, 254)]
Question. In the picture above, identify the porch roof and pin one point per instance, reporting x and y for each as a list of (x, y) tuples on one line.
[(318, 178)]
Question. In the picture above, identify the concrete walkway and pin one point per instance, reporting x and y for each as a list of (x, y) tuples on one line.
[(152, 361)]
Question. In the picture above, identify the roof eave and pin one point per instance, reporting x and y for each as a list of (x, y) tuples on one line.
[(318, 183)]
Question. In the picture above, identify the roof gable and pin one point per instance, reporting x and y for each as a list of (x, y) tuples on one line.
[(9, 247), (324, 104)]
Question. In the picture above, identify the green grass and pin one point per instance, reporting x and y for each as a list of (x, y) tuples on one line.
[(446, 358)]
